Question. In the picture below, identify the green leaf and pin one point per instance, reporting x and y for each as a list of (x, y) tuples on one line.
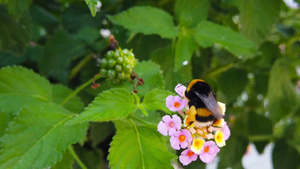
[(92, 4), (185, 46), (18, 7), (146, 20), (190, 13), (164, 57), (38, 137), (59, 52), (138, 147), (152, 76), (17, 33), (43, 17), (106, 129), (285, 156), (233, 152), (20, 86), (91, 158), (208, 33), (232, 83), (5, 119), (153, 118), (281, 93), (10, 59), (75, 14), (66, 161), (89, 35), (257, 17), (156, 100), (60, 92), (263, 126), (112, 104)]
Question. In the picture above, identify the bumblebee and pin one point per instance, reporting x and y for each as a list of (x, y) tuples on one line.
[(204, 109)]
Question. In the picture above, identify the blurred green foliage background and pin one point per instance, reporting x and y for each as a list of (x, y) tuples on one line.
[(248, 51)]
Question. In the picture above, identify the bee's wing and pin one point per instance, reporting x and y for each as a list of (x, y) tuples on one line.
[(211, 104)]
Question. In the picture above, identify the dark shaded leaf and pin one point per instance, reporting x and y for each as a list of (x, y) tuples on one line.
[(232, 83), (257, 17), (185, 46), (285, 156), (59, 52), (163, 56), (17, 33), (281, 93), (233, 152)]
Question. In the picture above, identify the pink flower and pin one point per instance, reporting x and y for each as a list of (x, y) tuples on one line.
[(169, 124), (180, 89), (181, 138), (209, 152), (226, 131), (174, 103), (187, 156)]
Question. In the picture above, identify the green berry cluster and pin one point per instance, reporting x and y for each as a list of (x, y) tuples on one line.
[(117, 65)]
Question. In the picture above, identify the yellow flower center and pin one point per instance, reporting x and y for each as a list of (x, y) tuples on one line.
[(198, 143), (171, 124), (219, 137)]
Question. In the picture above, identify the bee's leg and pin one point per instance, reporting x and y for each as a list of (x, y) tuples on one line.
[(191, 116)]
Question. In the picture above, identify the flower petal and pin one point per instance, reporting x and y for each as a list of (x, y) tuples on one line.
[(162, 128), (184, 144), (172, 131), (180, 89), (206, 158), (166, 119), (174, 142), (185, 160), (226, 131)]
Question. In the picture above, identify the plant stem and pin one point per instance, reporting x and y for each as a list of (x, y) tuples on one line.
[(78, 90), (261, 137), (79, 66), (79, 162)]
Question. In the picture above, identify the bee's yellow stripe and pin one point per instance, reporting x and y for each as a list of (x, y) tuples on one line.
[(203, 112), (191, 84)]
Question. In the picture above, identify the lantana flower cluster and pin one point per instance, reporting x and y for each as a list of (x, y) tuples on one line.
[(197, 141)]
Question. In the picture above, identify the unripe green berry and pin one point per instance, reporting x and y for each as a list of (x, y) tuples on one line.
[(109, 54), (125, 61), (112, 63), (118, 68), (127, 68), (121, 76), (127, 76), (125, 51), (120, 60), (104, 63), (103, 72), (117, 54), (111, 74), (130, 54)]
